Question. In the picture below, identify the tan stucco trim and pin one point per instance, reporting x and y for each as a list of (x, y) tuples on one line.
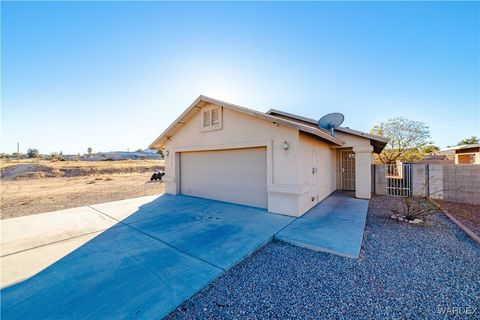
[(363, 164), (202, 101)]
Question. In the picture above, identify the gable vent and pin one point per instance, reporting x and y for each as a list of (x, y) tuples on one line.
[(215, 117), (206, 118), (211, 118)]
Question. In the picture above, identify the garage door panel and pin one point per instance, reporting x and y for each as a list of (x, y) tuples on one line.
[(238, 175), (220, 172), (240, 183), (247, 168)]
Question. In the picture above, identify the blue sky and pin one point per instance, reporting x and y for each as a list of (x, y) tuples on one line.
[(114, 75)]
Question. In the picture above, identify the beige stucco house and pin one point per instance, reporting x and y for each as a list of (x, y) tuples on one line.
[(465, 154), (274, 160)]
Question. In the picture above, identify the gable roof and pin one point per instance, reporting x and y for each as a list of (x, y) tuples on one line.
[(377, 142), (203, 100), (463, 146)]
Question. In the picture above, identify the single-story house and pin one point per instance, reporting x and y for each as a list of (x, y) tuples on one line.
[(274, 160), (465, 154)]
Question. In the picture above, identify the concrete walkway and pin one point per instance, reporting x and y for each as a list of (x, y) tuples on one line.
[(142, 257), (137, 258), (335, 225)]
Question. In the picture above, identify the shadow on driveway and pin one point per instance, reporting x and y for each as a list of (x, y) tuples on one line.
[(147, 264)]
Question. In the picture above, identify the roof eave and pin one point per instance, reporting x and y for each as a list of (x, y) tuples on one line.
[(160, 141), (341, 129)]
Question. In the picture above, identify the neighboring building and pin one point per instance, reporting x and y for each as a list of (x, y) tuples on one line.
[(272, 160), (465, 154)]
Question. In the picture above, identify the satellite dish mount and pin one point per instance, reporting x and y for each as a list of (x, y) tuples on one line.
[(331, 121)]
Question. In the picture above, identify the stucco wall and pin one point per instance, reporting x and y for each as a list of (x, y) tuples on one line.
[(291, 186), (363, 161), (316, 154), (242, 130), (351, 140)]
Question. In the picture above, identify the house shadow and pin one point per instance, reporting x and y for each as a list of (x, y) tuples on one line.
[(122, 272), (144, 265)]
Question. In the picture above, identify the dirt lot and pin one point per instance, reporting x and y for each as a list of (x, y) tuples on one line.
[(26, 197), (36, 187), (28, 169), (467, 214)]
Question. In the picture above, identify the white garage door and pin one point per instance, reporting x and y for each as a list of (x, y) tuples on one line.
[(236, 175)]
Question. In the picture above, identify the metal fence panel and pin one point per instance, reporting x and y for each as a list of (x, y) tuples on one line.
[(399, 179)]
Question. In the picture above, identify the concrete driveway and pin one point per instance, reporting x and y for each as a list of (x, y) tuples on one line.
[(136, 258)]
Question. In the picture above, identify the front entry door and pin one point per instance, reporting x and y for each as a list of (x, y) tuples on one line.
[(348, 170)]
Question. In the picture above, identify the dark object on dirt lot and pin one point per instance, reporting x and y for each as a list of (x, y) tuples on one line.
[(157, 176)]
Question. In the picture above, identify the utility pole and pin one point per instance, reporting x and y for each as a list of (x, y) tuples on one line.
[(18, 152)]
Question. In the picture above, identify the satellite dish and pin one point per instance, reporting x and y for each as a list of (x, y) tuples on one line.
[(331, 121)]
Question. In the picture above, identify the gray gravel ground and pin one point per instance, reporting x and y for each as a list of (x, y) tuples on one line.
[(404, 272)]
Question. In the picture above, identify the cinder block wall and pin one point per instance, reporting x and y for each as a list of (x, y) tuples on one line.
[(461, 183), (420, 178), (450, 182), (380, 183), (435, 181)]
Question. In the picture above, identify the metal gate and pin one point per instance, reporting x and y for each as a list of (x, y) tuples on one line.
[(348, 170), (399, 179)]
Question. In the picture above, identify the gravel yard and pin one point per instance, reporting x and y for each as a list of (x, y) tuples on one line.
[(404, 272)]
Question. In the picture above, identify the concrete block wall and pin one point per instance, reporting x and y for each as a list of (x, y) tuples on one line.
[(450, 182), (420, 179), (435, 181), (380, 179), (461, 183)]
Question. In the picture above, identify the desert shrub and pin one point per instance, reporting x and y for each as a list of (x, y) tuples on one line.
[(412, 208), (32, 153), (56, 156)]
